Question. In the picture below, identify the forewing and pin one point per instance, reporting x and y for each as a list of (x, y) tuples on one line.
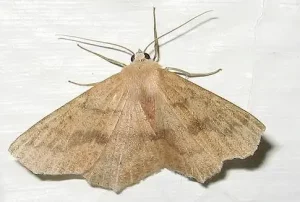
[(71, 139), (202, 129), (133, 153)]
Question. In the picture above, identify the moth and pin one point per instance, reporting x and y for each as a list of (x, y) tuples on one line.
[(137, 122)]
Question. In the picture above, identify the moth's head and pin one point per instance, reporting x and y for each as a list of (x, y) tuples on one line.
[(140, 56)]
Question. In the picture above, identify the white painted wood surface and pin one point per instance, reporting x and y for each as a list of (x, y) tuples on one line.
[(256, 43)]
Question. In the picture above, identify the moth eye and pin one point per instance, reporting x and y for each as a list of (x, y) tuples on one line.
[(132, 58), (147, 56)]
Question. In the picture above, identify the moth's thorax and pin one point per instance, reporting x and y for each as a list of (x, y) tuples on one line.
[(141, 69), (142, 76)]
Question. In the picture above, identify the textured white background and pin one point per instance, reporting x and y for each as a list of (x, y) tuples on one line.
[(255, 42)]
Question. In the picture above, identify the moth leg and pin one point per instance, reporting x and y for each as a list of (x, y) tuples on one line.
[(87, 84), (103, 57), (156, 56), (188, 74)]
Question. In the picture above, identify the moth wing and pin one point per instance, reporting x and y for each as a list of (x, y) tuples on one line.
[(70, 140), (202, 129), (133, 153)]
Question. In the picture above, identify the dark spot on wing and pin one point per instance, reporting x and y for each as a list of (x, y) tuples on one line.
[(81, 137), (197, 126), (183, 103)]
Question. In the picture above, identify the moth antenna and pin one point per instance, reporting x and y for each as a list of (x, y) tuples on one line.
[(175, 29), (189, 75), (91, 44), (104, 42), (103, 57), (156, 45)]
